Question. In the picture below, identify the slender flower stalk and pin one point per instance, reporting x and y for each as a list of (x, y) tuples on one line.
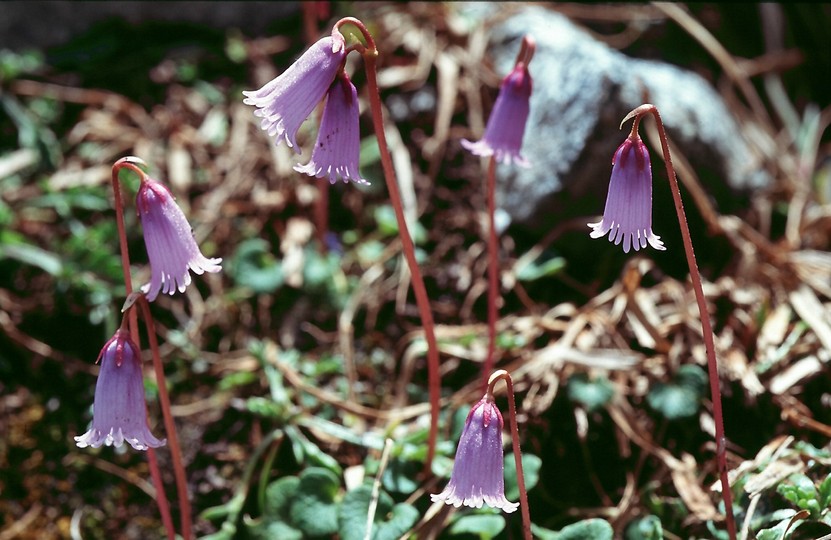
[(370, 54), (170, 426), (520, 474), (706, 326), (503, 142), (493, 272), (137, 165)]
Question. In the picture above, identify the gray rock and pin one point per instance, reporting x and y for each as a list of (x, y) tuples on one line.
[(582, 90)]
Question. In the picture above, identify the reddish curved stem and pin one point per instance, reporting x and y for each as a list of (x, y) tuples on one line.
[(493, 272), (132, 164), (170, 427), (422, 300), (706, 326), (520, 475)]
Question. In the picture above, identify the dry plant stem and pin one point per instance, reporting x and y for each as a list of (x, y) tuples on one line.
[(170, 427), (153, 462), (370, 54), (493, 272), (706, 326), (520, 475), (376, 488)]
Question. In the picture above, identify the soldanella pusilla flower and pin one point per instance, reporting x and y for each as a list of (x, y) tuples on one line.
[(506, 125), (478, 476), (627, 217), (337, 150), (171, 247), (287, 101), (119, 410)]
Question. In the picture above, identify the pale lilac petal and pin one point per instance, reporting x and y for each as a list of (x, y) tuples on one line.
[(171, 248), (337, 150), (477, 476), (119, 410), (506, 125), (628, 213), (285, 102)]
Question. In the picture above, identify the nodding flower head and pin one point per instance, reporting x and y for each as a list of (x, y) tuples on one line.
[(506, 125), (171, 247), (628, 213), (286, 102), (119, 410), (337, 150), (477, 476)]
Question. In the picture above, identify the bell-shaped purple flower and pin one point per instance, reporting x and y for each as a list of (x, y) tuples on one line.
[(628, 213), (171, 247), (337, 150), (286, 102), (119, 411), (477, 476), (506, 125)]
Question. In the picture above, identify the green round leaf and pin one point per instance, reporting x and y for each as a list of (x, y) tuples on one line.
[(391, 522), (485, 526), (278, 496), (681, 397), (588, 529), (255, 267), (531, 472), (592, 394), (268, 530), (314, 508), (645, 528)]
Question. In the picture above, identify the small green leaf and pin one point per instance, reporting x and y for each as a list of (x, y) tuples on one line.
[(592, 394), (825, 492), (34, 256), (800, 491), (645, 528), (265, 407), (399, 477), (485, 526), (588, 529), (314, 508), (531, 471), (542, 533), (391, 522), (318, 270), (255, 267), (388, 224), (304, 449), (547, 264), (237, 378), (681, 397), (268, 530), (278, 497)]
